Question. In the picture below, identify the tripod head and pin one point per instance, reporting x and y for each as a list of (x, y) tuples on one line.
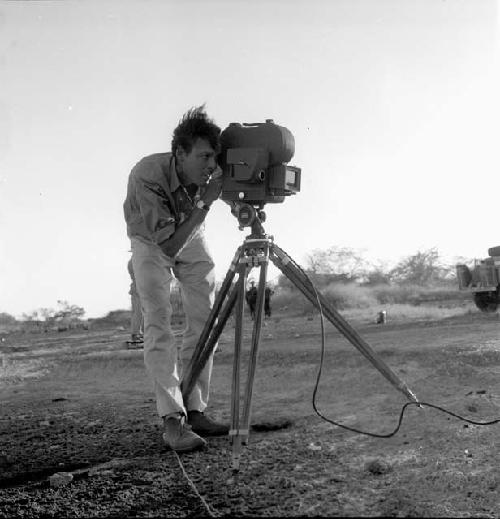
[(250, 215)]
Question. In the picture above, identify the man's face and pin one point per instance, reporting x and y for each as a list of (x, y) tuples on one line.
[(197, 166)]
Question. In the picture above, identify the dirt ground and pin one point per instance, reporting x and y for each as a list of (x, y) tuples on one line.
[(81, 403)]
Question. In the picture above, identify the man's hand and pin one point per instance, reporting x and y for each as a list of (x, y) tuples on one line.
[(213, 188)]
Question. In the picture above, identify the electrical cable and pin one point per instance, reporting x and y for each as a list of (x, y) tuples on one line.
[(403, 409), (207, 507)]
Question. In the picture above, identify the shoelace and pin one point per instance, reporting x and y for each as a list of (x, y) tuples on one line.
[(183, 425)]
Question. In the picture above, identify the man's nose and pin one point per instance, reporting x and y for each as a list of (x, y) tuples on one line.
[(212, 164)]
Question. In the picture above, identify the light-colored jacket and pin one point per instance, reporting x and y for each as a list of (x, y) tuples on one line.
[(156, 201)]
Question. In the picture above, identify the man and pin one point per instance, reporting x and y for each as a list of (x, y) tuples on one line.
[(267, 301), (251, 298), (136, 320), (168, 198)]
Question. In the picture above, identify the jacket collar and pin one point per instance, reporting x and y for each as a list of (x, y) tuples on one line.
[(174, 179)]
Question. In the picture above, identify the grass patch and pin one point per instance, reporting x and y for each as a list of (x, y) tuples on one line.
[(399, 313), (437, 301)]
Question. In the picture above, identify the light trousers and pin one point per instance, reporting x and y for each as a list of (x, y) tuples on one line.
[(136, 319), (154, 271)]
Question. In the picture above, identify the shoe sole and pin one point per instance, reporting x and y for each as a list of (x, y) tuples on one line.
[(205, 434), (196, 447)]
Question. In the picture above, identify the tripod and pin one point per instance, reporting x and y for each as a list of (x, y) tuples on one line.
[(256, 251)]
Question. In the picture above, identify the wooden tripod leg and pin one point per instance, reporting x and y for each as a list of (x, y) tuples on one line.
[(235, 386), (300, 280), (257, 327)]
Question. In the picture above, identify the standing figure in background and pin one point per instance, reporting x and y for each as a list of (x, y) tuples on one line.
[(136, 318), (251, 298), (267, 301)]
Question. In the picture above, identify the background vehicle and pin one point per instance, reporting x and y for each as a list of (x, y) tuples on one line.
[(483, 280)]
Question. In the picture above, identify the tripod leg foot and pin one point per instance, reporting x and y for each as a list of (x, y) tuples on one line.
[(236, 452)]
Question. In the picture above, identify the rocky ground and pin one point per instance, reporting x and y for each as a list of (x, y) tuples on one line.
[(80, 403)]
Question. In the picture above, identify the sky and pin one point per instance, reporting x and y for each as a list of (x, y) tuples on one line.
[(393, 104)]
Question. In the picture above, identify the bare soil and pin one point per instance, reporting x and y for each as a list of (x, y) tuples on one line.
[(81, 403)]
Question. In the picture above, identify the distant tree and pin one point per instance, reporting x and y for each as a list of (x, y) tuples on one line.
[(6, 318), (47, 314), (31, 316), (464, 260), (377, 276), (422, 268), (68, 312), (337, 264)]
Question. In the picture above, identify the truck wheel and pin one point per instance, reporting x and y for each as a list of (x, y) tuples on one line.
[(486, 301)]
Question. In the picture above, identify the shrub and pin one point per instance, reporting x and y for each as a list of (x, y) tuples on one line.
[(354, 296), (290, 300), (349, 295), (113, 318), (416, 295)]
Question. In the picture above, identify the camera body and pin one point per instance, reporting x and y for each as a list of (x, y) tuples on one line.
[(254, 160)]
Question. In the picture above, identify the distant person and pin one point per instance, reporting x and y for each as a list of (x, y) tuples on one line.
[(136, 318), (251, 298), (267, 301), (168, 198)]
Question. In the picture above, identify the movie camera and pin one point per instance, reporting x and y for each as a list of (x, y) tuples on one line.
[(254, 160)]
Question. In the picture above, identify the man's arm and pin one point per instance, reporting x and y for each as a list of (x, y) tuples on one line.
[(177, 240)]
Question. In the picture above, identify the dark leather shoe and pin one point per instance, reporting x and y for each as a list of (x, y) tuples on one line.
[(179, 437), (205, 426)]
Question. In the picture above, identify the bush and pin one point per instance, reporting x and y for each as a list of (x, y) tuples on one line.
[(349, 295), (416, 295), (113, 318), (7, 319), (290, 299), (396, 294), (354, 296)]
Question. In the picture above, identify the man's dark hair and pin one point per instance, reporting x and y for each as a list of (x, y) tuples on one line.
[(195, 124)]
